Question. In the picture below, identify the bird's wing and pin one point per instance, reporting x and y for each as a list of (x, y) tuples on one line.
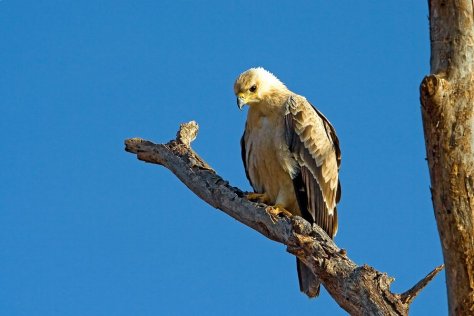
[(314, 144), (243, 152)]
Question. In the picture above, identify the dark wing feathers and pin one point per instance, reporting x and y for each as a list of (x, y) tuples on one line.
[(243, 152), (314, 144), (331, 134)]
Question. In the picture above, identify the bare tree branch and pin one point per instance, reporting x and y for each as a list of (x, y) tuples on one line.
[(409, 295), (360, 290)]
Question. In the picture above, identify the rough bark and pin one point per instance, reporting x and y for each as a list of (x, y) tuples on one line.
[(360, 290), (447, 99)]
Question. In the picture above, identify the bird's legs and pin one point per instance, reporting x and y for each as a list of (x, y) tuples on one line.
[(276, 211), (258, 197)]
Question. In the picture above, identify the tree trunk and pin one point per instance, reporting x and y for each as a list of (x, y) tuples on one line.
[(447, 97)]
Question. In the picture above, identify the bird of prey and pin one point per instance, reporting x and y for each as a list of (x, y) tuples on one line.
[(291, 156)]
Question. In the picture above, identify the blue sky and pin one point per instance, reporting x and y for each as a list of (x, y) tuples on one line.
[(86, 229)]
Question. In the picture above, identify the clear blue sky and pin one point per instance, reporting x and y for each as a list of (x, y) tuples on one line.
[(86, 229)]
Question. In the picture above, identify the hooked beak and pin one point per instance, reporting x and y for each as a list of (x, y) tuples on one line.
[(240, 102)]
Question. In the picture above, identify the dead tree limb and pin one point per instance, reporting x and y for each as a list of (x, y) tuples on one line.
[(360, 290)]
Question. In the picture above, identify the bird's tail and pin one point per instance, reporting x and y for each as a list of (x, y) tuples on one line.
[(309, 283)]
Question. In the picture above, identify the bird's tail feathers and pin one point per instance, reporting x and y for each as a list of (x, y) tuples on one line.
[(309, 283)]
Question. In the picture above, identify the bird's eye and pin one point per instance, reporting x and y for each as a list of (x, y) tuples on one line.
[(253, 88)]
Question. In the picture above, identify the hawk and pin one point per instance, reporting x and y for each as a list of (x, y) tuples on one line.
[(291, 156)]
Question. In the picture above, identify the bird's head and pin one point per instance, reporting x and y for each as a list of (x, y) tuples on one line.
[(255, 85)]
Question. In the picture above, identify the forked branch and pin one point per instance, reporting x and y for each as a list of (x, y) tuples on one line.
[(360, 290)]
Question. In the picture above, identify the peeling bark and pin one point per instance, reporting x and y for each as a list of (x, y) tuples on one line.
[(447, 99), (360, 290)]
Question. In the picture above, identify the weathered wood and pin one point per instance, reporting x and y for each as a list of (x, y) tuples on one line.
[(447, 98), (360, 290)]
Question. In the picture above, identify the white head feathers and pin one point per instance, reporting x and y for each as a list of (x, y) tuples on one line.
[(264, 80)]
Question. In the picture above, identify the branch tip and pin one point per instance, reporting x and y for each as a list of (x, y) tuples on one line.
[(187, 133), (409, 295), (132, 145)]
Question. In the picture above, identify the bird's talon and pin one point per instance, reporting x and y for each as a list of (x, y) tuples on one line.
[(273, 216), (276, 212)]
